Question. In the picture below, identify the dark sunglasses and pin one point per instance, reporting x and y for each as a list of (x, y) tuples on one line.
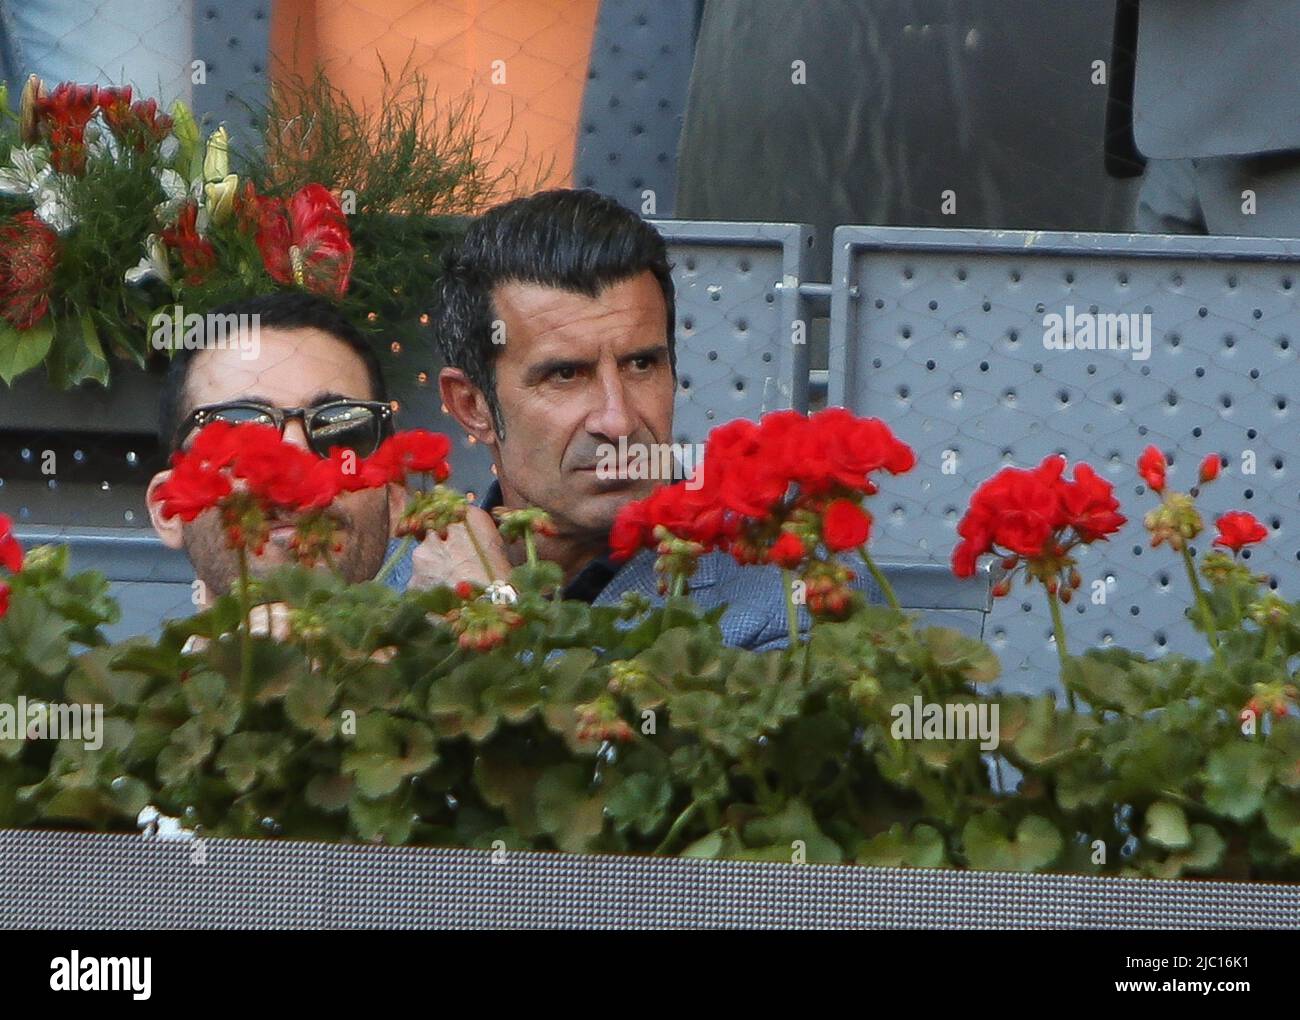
[(357, 425)]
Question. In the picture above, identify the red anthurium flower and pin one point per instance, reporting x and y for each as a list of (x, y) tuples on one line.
[(29, 252), (1152, 467), (11, 553), (306, 242), (845, 525), (1238, 529), (1210, 468), (197, 255)]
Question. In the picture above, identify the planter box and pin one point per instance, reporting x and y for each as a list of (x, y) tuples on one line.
[(83, 880)]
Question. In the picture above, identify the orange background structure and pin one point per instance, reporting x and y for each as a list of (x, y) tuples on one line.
[(545, 46)]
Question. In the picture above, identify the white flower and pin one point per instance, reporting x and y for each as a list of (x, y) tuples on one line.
[(177, 192), (28, 171), (154, 264)]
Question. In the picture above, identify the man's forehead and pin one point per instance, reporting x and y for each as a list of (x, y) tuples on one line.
[(290, 368), (546, 315)]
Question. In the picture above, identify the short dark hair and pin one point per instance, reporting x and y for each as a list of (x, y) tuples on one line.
[(283, 309), (575, 240)]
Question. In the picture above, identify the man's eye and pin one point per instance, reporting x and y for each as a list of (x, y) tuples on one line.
[(567, 374), (644, 362)]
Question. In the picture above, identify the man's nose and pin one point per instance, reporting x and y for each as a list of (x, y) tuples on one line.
[(613, 416), (295, 432)]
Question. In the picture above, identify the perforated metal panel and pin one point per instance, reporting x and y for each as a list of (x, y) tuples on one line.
[(943, 336), (78, 880), (738, 313), (232, 38), (636, 92)]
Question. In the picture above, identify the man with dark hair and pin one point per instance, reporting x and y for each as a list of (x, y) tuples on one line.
[(555, 316), (294, 361)]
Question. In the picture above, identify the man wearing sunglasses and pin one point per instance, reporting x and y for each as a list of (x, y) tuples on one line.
[(313, 377)]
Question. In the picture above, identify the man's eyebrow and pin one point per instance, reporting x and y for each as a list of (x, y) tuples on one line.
[(653, 351), (538, 372), (543, 369)]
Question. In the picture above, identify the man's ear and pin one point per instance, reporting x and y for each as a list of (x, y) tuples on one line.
[(169, 529), (466, 403)]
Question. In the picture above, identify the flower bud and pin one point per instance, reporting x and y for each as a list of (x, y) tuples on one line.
[(28, 118), (216, 161), (221, 198), (1210, 468)]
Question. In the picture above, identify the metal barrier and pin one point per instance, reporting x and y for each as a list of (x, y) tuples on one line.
[(944, 334), (81, 880)]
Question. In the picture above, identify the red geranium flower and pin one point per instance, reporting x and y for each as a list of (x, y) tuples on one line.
[(196, 252), (1030, 514), (1238, 529), (307, 241), (11, 553), (1089, 505), (839, 448), (787, 551), (4, 599), (1152, 467), (415, 451), (29, 252), (1210, 468), (191, 488), (845, 525)]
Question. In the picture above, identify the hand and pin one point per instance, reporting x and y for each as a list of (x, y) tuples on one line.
[(446, 561), (270, 619)]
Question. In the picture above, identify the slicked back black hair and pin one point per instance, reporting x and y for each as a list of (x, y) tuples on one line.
[(575, 240)]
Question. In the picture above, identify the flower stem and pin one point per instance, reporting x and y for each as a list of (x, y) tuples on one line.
[(791, 613), (682, 820), (530, 548), (482, 556), (246, 633), (1202, 603), (678, 585), (1058, 629), (391, 563), (885, 587)]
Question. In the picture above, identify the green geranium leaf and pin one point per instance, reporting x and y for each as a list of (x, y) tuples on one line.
[(1203, 854), (1167, 826), (21, 351), (792, 830), (1235, 779), (922, 847), (640, 801), (567, 809), (989, 845), (387, 750), (1282, 816)]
